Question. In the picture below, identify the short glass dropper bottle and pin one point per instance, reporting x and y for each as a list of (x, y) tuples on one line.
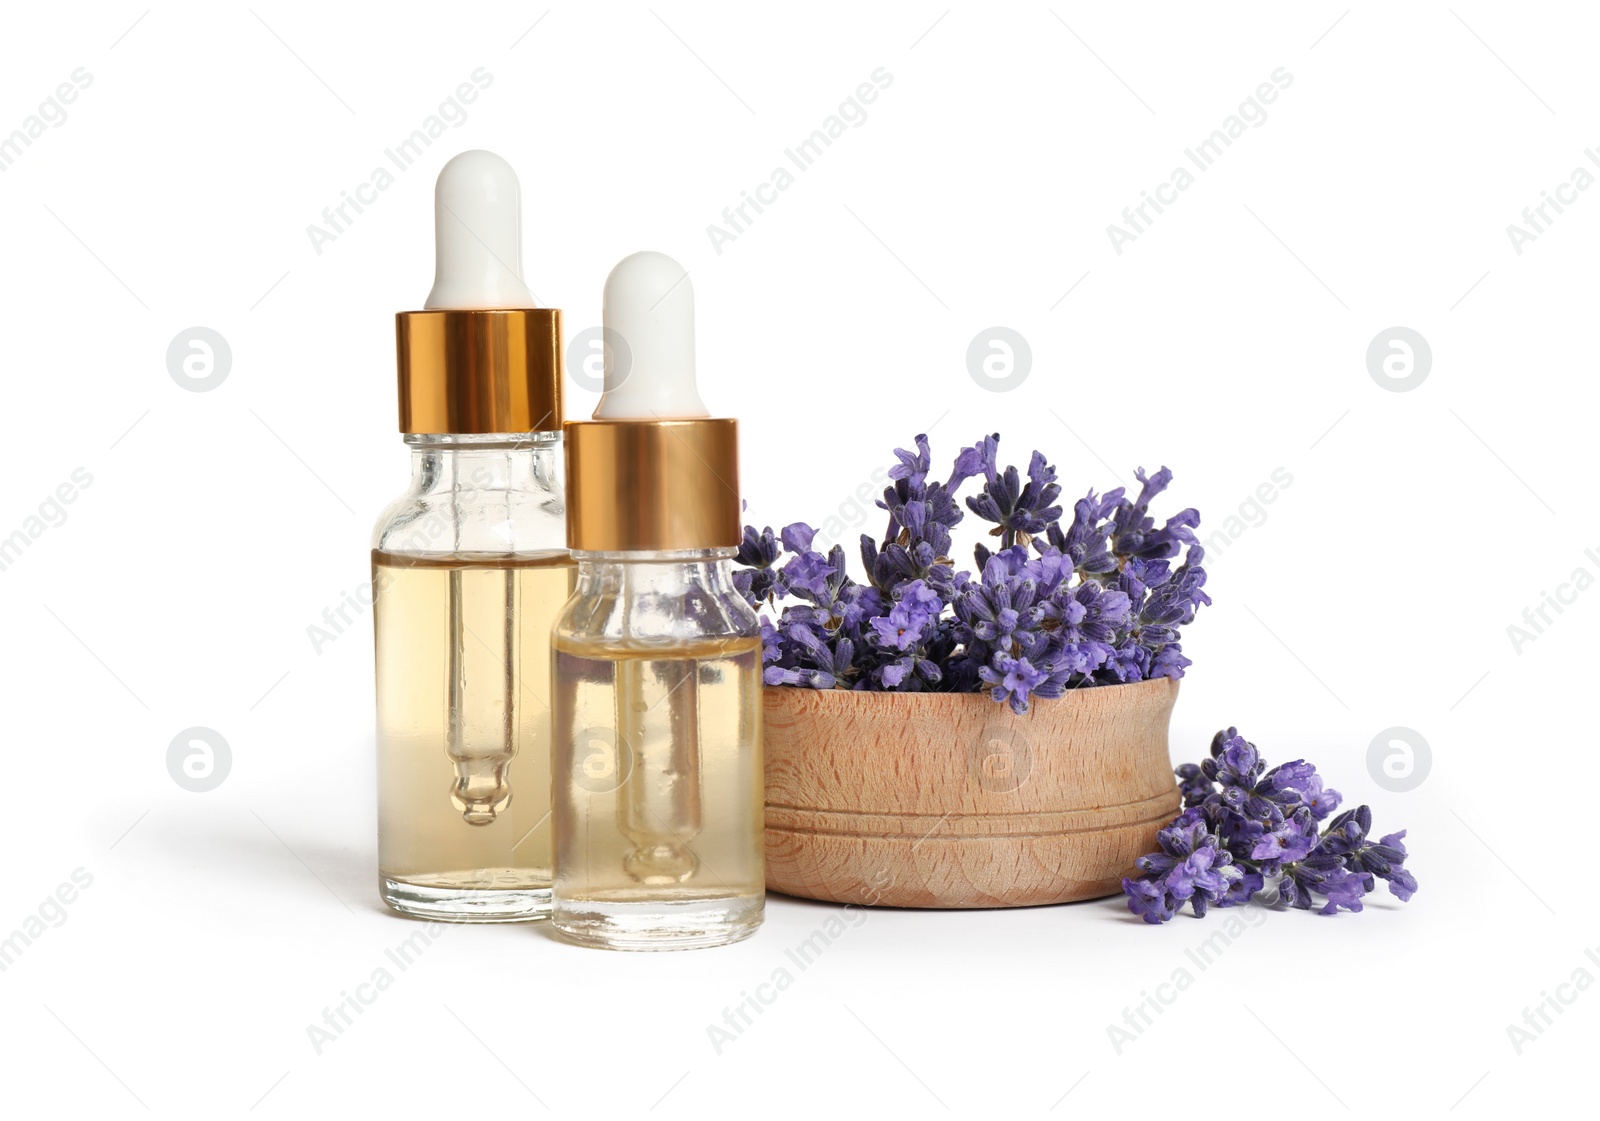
[(657, 695), (470, 569)]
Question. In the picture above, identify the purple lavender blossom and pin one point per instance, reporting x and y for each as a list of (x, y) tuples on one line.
[(1011, 680), (1099, 601), (1195, 785), (756, 580), (1346, 836), (1288, 841), (807, 658), (1323, 875), (771, 646), (808, 572), (1265, 820), (1089, 615), (1020, 511), (903, 627), (1085, 541), (974, 461), (1192, 866), (1134, 532), (913, 465), (1149, 900), (797, 537)]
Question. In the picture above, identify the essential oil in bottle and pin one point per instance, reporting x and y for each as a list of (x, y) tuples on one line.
[(657, 764), (464, 724), (470, 570)]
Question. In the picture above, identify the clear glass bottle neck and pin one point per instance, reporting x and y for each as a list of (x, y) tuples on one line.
[(683, 595), (489, 461), (502, 440), (496, 495), (649, 556), (650, 573)]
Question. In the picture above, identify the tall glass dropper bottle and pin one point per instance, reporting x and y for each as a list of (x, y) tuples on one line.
[(657, 765), (469, 571)]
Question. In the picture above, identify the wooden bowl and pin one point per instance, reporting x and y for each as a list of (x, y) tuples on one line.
[(952, 800)]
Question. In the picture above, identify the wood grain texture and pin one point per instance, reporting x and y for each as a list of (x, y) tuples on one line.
[(951, 800)]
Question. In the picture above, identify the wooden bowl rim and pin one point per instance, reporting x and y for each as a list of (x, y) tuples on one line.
[(1149, 689)]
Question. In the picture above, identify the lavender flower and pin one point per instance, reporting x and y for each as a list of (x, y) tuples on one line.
[(756, 579), (1019, 511), (807, 658), (1162, 601), (1011, 680), (1098, 601), (1085, 542), (1134, 532), (976, 460), (808, 572), (1265, 822), (1192, 867), (1347, 836), (908, 619)]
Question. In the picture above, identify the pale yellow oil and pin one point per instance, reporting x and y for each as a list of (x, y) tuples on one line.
[(464, 731), (659, 786)]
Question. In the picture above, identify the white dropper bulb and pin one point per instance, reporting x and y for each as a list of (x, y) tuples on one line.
[(477, 222), (649, 331)]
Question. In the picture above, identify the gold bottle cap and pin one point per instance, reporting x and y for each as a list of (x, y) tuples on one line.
[(468, 371), (653, 485), (481, 358)]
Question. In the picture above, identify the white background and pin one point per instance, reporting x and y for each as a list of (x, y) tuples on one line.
[(1227, 341)]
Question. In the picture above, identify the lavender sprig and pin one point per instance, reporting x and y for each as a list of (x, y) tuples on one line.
[(1246, 829), (1100, 601)]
